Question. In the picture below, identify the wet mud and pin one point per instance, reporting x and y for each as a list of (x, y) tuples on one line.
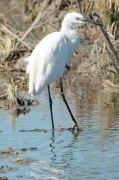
[(3, 178)]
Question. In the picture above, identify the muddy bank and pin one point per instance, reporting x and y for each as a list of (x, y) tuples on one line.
[(94, 55), (3, 178), (15, 159)]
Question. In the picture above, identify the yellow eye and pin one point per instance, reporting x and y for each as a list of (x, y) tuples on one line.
[(77, 18)]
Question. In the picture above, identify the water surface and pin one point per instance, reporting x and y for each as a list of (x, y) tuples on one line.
[(93, 154)]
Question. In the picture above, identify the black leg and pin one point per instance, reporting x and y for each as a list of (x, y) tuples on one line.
[(64, 99), (50, 103), (67, 66)]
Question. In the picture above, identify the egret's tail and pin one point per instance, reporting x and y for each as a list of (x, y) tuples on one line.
[(27, 59), (38, 78), (34, 79)]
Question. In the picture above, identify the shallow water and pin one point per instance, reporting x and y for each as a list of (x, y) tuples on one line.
[(93, 154)]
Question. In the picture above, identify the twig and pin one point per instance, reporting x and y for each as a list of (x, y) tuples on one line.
[(39, 17), (112, 71), (45, 24), (18, 50), (107, 105), (3, 95), (4, 67), (110, 35), (12, 8)]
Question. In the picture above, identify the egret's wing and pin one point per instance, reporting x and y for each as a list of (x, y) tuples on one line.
[(27, 59), (44, 58)]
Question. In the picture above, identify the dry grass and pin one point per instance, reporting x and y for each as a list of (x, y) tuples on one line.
[(11, 91), (11, 100), (107, 10), (5, 46)]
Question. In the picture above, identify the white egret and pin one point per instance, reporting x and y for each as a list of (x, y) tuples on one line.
[(48, 59)]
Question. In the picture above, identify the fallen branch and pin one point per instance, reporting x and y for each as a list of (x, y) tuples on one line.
[(39, 17), (105, 35), (21, 40), (110, 46)]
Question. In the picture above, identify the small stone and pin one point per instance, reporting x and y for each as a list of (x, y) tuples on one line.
[(45, 131), (5, 168), (26, 149), (22, 160), (60, 129), (8, 151)]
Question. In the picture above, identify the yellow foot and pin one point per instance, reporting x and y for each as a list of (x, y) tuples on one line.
[(76, 129)]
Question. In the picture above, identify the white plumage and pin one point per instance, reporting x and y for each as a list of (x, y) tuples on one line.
[(48, 60)]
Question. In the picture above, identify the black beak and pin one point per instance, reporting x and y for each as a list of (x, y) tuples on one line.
[(92, 22)]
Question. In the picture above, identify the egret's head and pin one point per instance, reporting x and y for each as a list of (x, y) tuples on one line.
[(75, 18), (72, 19)]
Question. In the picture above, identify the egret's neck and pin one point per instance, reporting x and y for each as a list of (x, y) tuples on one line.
[(72, 36), (69, 32), (67, 29)]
